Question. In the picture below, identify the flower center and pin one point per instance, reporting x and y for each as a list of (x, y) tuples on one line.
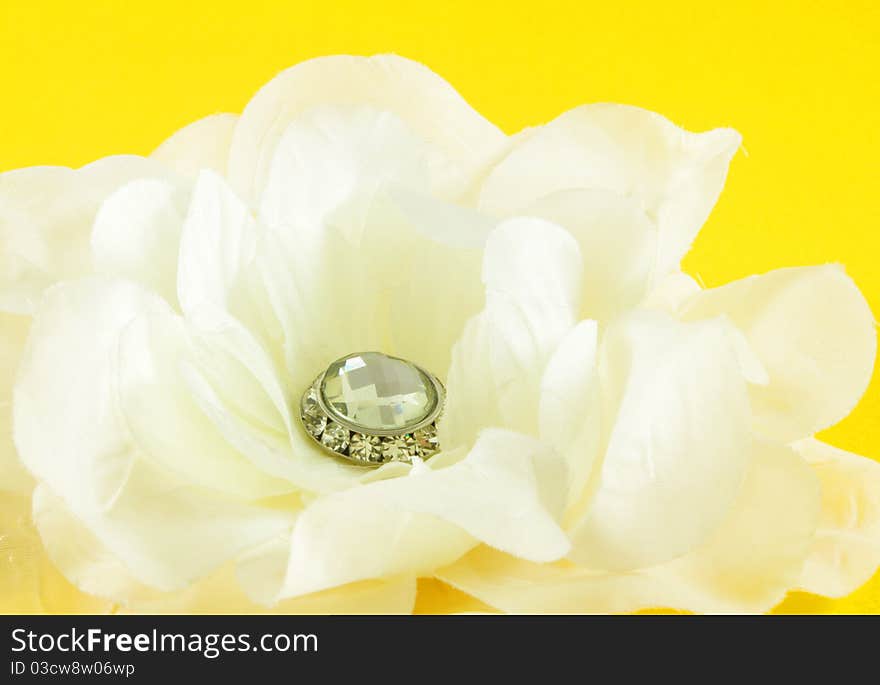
[(371, 409)]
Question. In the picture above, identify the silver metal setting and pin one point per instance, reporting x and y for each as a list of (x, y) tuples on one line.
[(369, 446)]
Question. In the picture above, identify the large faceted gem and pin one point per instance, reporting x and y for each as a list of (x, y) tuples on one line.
[(377, 392)]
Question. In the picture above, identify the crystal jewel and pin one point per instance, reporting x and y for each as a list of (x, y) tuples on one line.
[(377, 392), (427, 442), (366, 447), (314, 424), (335, 437), (313, 418), (399, 448)]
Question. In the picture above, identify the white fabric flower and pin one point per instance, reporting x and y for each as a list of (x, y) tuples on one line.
[(615, 437)]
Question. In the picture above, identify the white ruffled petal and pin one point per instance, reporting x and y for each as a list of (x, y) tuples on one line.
[(219, 240), (241, 369), (532, 273), (29, 583), (569, 405), (813, 333), (70, 433), (136, 234), (65, 396), (238, 386), (165, 421), (671, 292), (425, 102), (382, 596), (325, 283), (758, 552), (746, 567), (13, 333), (46, 216), (618, 246), (329, 164), (203, 144), (93, 568), (329, 282), (387, 596), (219, 282), (19, 556), (79, 555), (322, 313), (846, 549), (676, 441), (676, 176), (502, 494), (168, 534), (427, 256), (294, 457)]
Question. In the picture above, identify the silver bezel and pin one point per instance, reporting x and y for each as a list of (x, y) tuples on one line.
[(333, 415)]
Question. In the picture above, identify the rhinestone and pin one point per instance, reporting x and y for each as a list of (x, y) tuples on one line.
[(399, 447), (377, 392), (310, 406), (366, 448), (314, 424), (427, 442), (335, 437), (313, 418)]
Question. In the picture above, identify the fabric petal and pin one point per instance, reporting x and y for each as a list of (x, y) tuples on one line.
[(846, 550), (569, 408), (166, 422), (618, 245), (225, 302), (814, 334), (29, 582), (676, 176), (746, 567), (327, 169), (423, 258), (423, 100), (331, 161), (238, 386), (19, 556), (391, 596), (70, 434), (203, 144), (136, 234), (501, 493), (13, 333), (241, 369), (223, 592), (294, 457), (64, 400), (671, 292), (46, 216), (676, 440), (322, 308), (532, 274), (79, 555), (219, 239), (92, 567)]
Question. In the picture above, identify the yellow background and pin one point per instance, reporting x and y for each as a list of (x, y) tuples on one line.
[(80, 80)]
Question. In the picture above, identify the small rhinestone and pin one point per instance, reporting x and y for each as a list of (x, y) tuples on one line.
[(366, 448), (310, 406), (427, 442), (313, 418), (314, 424), (335, 437), (399, 447)]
